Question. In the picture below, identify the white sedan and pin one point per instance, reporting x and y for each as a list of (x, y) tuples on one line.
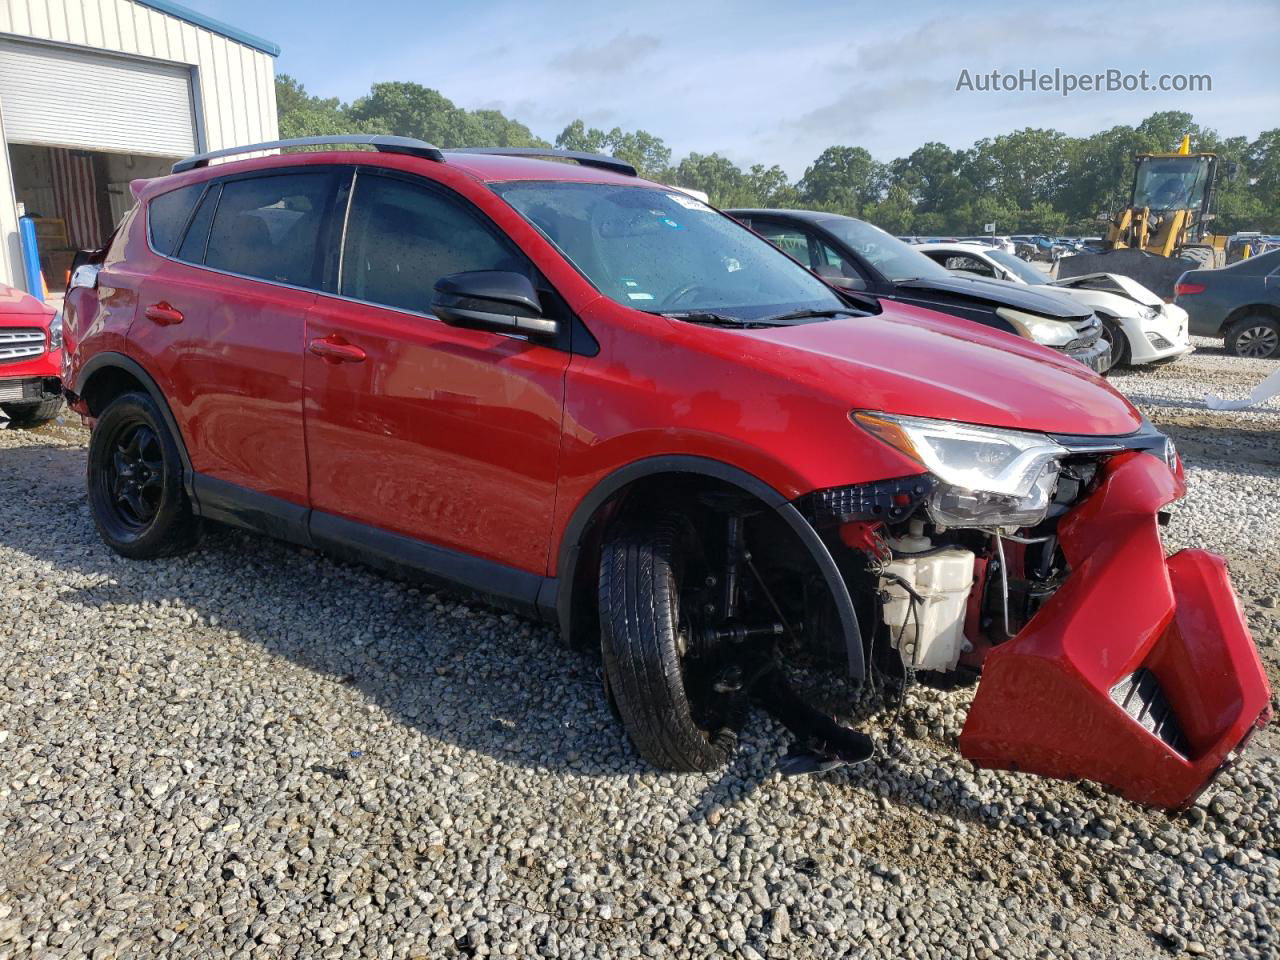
[(1142, 328)]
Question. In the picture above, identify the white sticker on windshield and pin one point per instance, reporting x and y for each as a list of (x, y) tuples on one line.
[(640, 296), (688, 202)]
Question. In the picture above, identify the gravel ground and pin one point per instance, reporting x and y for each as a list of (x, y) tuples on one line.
[(253, 751)]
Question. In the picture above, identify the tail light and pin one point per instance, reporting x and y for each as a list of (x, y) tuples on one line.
[(1186, 289)]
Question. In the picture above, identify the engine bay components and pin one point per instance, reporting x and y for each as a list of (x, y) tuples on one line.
[(925, 595)]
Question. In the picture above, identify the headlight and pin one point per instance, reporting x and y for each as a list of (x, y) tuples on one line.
[(1051, 333), (55, 331), (988, 476)]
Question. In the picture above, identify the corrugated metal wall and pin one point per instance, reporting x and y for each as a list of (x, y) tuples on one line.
[(236, 84)]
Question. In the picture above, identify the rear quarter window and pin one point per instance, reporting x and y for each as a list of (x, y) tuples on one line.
[(167, 216)]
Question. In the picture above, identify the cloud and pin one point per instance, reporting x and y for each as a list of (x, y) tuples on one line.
[(614, 56)]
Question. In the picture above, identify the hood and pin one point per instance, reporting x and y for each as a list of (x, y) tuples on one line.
[(1113, 283), (1001, 293), (925, 364), (15, 301)]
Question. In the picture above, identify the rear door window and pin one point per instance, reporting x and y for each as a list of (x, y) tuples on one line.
[(277, 228)]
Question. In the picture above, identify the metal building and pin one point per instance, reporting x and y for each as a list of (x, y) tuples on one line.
[(96, 93)]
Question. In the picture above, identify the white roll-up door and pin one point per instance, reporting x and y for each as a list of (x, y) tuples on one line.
[(67, 97)]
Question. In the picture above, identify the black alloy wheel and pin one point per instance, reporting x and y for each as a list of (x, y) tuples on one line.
[(136, 491)]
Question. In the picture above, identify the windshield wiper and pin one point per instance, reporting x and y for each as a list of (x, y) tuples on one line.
[(807, 314), (713, 319)]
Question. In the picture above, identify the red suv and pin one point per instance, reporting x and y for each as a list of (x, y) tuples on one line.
[(600, 401), (30, 359)]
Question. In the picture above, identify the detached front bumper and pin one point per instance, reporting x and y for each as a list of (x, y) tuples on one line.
[(1139, 672)]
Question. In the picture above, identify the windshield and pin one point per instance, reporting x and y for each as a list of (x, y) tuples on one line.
[(1171, 183), (893, 258), (661, 251), (1018, 267)]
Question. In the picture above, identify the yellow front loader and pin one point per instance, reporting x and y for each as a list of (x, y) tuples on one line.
[(1163, 232)]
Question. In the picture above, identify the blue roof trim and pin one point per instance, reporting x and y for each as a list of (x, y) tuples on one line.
[(217, 26)]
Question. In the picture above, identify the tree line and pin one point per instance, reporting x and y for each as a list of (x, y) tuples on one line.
[(1029, 181)]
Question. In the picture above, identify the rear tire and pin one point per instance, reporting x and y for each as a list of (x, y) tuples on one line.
[(32, 414), (641, 575), (1256, 336), (136, 491)]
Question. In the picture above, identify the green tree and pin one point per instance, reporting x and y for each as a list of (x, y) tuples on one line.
[(302, 115), (770, 187), (647, 153), (1037, 180), (718, 177), (895, 212), (412, 110), (843, 179), (1023, 168)]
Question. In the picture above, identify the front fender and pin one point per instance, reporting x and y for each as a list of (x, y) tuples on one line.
[(560, 597)]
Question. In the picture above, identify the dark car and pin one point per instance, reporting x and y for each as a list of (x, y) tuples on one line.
[(855, 255), (1240, 303)]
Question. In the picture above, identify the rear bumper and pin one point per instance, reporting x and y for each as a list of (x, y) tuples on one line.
[(1139, 672)]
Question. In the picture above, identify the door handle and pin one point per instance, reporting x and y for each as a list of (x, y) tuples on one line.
[(163, 314), (336, 350)]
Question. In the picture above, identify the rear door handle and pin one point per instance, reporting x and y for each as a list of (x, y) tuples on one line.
[(336, 350), (163, 314)]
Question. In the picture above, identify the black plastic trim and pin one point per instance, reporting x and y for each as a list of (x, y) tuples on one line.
[(557, 594), (515, 589), (239, 506), (262, 513), (1147, 438)]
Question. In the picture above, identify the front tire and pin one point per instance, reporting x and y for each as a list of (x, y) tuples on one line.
[(1114, 334), (644, 643), (32, 414), (136, 492)]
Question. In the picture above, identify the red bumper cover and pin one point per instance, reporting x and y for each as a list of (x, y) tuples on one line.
[(1046, 704)]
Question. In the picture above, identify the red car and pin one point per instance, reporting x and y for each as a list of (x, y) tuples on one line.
[(30, 359), (597, 400)]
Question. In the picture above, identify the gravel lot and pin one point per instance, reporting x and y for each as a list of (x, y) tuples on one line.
[(256, 751)]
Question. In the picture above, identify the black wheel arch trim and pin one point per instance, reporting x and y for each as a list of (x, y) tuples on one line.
[(118, 361), (557, 594)]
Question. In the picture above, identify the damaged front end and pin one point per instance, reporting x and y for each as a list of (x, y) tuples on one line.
[(1037, 562)]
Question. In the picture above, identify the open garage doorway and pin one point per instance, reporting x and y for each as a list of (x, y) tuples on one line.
[(76, 198)]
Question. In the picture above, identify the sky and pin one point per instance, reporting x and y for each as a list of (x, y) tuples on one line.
[(776, 83)]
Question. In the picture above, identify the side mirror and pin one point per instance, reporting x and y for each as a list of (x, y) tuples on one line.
[(831, 274), (848, 283), (495, 300)]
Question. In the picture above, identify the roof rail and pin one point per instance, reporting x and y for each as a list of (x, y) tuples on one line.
[(547, 153), (385, 144)]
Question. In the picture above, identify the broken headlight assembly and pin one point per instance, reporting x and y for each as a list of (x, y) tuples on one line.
[(1038, 329), (988, 477)]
